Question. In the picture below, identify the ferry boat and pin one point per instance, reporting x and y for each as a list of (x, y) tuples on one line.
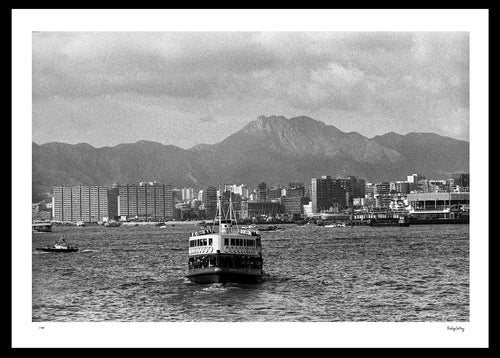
[(230, 254)]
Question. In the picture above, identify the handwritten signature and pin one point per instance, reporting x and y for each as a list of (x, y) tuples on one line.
[(455, 328)]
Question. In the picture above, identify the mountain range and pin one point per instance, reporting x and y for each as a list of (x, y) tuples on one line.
[(273, 149)]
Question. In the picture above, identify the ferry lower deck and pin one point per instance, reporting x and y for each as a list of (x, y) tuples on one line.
[(223, 268)]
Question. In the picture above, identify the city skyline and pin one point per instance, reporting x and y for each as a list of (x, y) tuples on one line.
[(187, 88)]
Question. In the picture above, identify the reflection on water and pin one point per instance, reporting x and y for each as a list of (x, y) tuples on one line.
[(314, 274)]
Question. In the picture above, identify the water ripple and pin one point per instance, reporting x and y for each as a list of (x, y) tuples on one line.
[(316, 274)]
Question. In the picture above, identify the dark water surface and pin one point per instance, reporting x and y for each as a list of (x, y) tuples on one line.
[(136, 274)]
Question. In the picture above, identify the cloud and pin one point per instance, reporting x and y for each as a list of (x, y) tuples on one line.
[(398, 76)]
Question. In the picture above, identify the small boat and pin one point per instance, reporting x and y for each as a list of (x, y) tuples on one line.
[(41, 227), (112, 223), (336, 225), (271, 228), (60, 246)]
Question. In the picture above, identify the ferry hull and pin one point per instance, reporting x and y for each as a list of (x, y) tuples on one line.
[(220, 275)]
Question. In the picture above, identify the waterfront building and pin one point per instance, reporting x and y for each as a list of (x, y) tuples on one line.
[(177, 195), (352, 185), (359, 202), (308, 210), (294, 204), (326, 194), (262, 192), (296, 190), (243, 190), (353, 188), (263, 208), (113, 194), (461, 180), (210, 202), (187, 194), (274, 193), (146, 201), (383, 200), (382, 188), (82, 203), (413, 181), (402, 187), (369, 190), (321, 193), (438, 205), (340, 195), (438, 186)]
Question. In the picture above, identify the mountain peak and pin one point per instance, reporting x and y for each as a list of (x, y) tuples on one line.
[(263, 121), (273, 123)]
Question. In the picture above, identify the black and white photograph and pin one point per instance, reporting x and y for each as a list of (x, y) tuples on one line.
[(250, 178)]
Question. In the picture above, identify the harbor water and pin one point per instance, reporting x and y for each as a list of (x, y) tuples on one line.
[(313, 274)]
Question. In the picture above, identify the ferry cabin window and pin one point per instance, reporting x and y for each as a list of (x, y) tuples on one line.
[(226, 242), (233, 242), (210, 241)]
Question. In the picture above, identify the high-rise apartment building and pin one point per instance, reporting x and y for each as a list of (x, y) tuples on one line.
[(151, 201), (83, 203)]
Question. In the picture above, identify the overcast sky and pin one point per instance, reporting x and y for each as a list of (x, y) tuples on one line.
[(186, 88)]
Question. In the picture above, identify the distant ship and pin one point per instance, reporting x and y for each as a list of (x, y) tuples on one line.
[(228, 255)]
